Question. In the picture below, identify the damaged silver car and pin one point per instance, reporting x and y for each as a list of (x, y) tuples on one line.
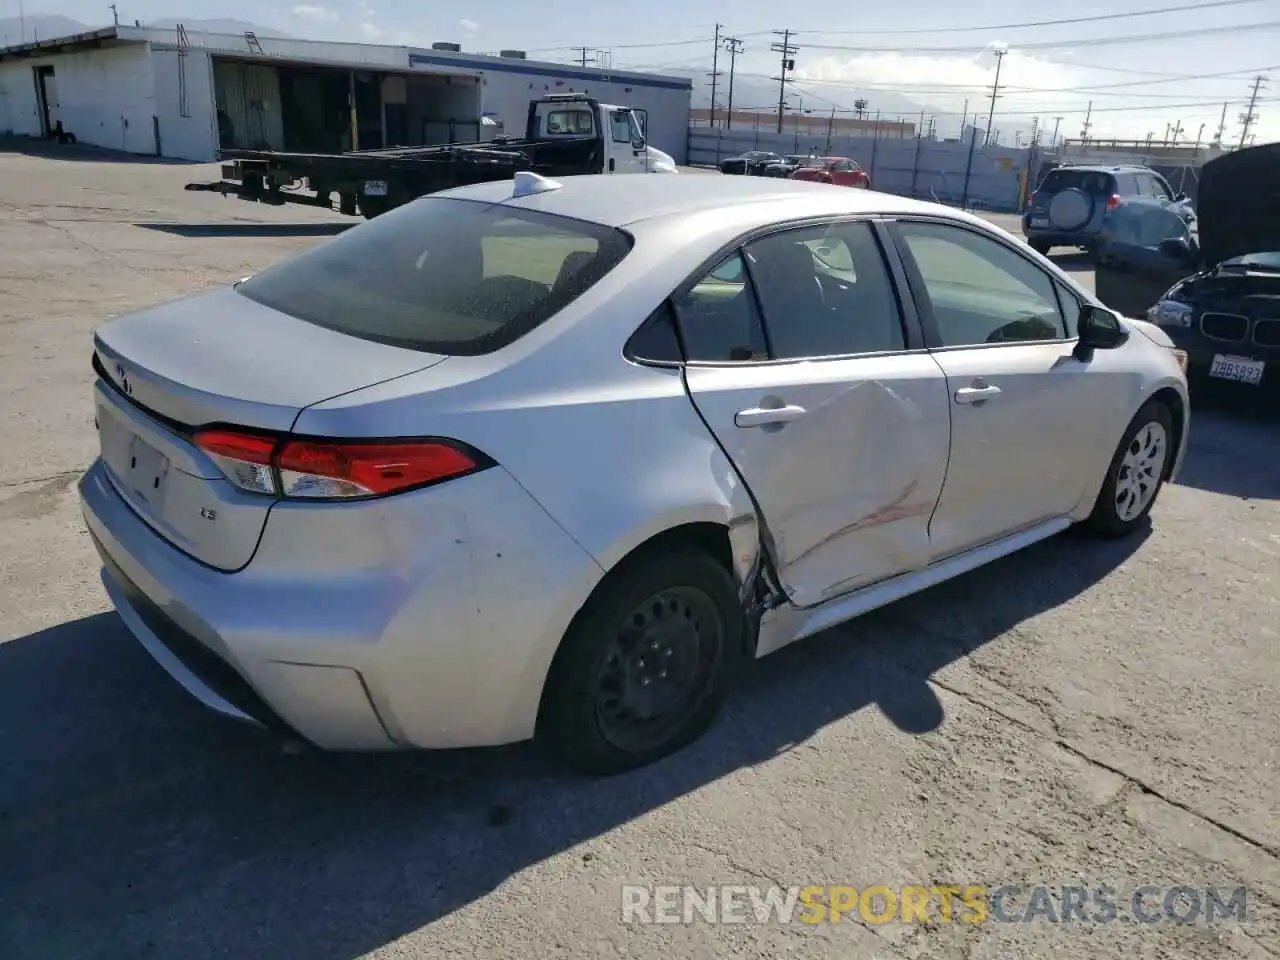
[(553, 459)]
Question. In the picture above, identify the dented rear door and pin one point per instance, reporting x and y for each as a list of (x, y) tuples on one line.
[(844, 449)]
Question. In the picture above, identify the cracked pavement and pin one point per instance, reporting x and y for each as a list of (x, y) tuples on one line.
[(1077, 714)]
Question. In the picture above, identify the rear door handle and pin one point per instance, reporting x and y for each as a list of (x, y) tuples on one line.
[(763, 416), (976, 394)]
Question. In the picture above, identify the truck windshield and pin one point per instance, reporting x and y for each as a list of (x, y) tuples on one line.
[(446, 276)]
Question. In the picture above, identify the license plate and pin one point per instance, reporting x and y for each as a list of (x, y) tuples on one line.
[(145, 469), (1039, 221), (375, 188), (1241, 369)]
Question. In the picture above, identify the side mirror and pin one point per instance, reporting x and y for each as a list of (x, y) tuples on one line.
[(1098, 329), (638, 144)]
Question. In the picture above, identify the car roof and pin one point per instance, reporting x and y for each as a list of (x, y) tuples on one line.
[(617, 201), (1105, 168)]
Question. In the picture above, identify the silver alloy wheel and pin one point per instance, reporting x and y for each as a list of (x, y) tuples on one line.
[(1140, 470)]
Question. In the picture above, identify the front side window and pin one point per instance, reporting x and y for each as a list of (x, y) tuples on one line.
[(622, 127), (1158, 187), (718, 317), (980, 292), (825, 291), (443, 275)]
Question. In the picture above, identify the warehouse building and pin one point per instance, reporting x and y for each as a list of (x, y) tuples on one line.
[(183, 94)]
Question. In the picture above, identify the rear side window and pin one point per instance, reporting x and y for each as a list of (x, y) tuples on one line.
[(443, 276), (1095, 183), (574, 123), (718, 316)]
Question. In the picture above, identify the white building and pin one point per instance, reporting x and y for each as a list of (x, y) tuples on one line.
[(183, 94)]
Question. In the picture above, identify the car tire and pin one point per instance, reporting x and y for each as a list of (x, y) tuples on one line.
[(1041, 247), (1124, 500), (602, 705)]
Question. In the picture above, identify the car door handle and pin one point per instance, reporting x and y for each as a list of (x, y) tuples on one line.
[(976, 394), (763, 416)]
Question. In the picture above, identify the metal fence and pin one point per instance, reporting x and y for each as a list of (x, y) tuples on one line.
[(961, 173)]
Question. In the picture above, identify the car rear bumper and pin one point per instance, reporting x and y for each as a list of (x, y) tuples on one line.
[(427, 620), (1058, 238)]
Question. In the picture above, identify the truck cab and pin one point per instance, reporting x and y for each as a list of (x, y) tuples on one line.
[(618, 130)]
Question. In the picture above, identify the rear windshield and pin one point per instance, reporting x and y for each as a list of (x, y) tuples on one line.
[(443, 275), (1093, 182)]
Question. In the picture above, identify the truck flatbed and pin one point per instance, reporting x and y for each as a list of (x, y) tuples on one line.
[(374, 181)]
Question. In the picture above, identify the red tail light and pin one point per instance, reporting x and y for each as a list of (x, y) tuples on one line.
[(1113, 201), (330, 469)]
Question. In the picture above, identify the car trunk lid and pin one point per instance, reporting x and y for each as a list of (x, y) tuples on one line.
[(218, 358), (1238, 203)]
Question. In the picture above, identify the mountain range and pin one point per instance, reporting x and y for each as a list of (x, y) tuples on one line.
[(752, 93)]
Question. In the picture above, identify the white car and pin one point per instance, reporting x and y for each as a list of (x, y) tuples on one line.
[(551, 458)]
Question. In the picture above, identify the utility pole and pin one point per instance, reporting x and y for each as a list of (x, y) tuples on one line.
[(584, 51), (115, 14), (1057, 121), (995, 92), (715, 76), (1250, 116), (788, 63), (1177, 131), (734, 46), (1084, 130), (831, 123)]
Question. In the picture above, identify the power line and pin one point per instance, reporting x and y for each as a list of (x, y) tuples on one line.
[(1056, 44), (1250, 115), (1109, 90), (1098, 18), (788, 63)]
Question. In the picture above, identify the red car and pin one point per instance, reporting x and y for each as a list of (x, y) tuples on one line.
[(841, 171)]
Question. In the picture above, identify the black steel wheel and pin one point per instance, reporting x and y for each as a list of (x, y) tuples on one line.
[(645, 666)]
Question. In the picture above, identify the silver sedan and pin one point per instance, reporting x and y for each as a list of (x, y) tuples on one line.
[(550, 459)]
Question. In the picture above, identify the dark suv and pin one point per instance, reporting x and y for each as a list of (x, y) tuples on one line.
[(1071, 205)]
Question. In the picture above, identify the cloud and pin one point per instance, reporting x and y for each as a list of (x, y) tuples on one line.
[(469, 26), (372, 32), (315, 14)]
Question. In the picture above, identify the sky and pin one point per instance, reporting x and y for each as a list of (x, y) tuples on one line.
[(1143, 74)]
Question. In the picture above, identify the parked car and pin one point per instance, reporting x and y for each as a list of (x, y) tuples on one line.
[(1213, 286), (1071, 205), (840, 171), (751, 163), (540, 459), (787, 165)]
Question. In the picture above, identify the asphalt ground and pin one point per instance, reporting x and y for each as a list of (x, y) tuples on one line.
[(1078, 715)]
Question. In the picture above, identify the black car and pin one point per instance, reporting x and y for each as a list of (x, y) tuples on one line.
[(1214, 287), (788, 165), (751, 163)]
